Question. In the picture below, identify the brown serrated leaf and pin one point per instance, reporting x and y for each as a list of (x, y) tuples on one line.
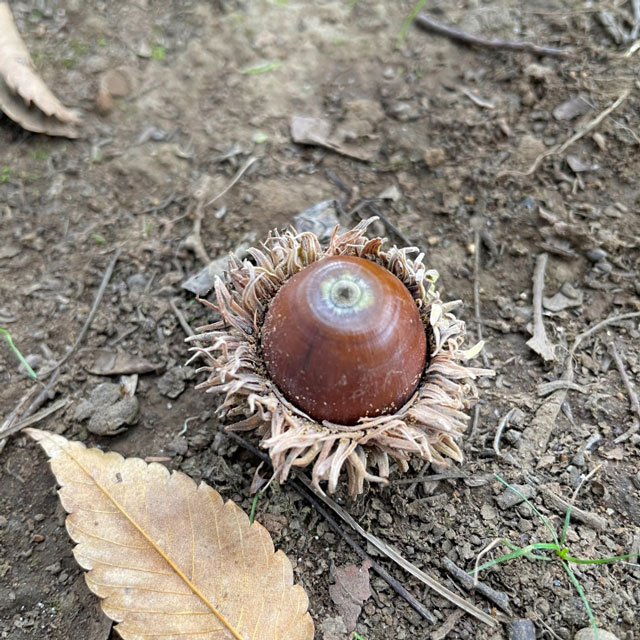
[(171, 559), (20, 77)]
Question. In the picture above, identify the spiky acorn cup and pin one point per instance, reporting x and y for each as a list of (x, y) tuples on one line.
[(431, 417)]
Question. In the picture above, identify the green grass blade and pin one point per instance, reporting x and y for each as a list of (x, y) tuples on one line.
[(583, 597), (409, 19), (262, 68), (20, 357), (517, 553), (547, 524), (607, 560)]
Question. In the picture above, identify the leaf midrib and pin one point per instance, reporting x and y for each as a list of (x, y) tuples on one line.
[(153, 544)]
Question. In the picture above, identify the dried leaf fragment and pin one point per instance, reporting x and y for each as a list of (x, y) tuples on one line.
[(350, 591), (19, 77), (170, 558)]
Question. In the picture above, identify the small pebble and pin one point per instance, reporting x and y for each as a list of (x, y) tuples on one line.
[(508, 498), (522, 629), (595, 255), (38, 538), (434, 157)]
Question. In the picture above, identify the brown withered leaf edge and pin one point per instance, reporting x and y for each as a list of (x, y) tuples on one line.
[(24, 97), (170, 558)]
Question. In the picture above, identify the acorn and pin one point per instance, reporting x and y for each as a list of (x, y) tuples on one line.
[(340, 357)]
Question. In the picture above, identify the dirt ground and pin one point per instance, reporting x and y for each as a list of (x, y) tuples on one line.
[(438, 125)]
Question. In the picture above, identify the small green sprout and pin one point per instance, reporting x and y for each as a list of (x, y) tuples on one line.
[(158, 52), (20, 357), (406, 25), (4, 174), (96, 237), (260, 137), (536, 551), (261, 68), (357, 636)]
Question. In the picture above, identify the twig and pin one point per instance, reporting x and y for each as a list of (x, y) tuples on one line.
[(392, 554), (381, 546), (539, 431), (539, 341), (181, 319), (631, 392), (389, 579), (40, 399), (436, 477), (34, 406), (582, 482), (92, 313), (545, 388), (194, 240), (387, 223), (237, 177), (561, 148), (429, 24), (309, 496), (590, 519), (41, 415), (476, 295), (499, 598), (501, 426), (485, 104), (600, 325)]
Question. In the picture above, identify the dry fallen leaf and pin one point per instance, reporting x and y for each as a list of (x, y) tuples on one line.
[(349, 592), (171, 559), (17, 70)]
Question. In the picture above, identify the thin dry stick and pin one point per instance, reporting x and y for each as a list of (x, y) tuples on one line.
[(542, 432), (387, 223), (499, 598), (481, 555), (539, 341), (592, 520), (436, 477), (503, 423), (631, 392), (181, 319), (309, 496), (561, 148), (604, 323), (12, 417), (390, 580), (582, 482), (92, 314), (476, 295), (194, 240), (391, 553), (41, 415), (237, 177), (32, 408), (429, 24)]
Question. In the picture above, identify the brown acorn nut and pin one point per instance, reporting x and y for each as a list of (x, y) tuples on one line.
[(246, 354), (343, 339)]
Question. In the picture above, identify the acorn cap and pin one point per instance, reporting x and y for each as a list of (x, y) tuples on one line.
[(428, 425)]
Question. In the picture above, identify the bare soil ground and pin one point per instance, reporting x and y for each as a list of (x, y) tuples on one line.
[(440, 122)]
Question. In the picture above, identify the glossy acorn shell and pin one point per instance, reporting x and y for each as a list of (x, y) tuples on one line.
[(343, 339)]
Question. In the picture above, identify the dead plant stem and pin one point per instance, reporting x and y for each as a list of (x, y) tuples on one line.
[(429, 24)]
